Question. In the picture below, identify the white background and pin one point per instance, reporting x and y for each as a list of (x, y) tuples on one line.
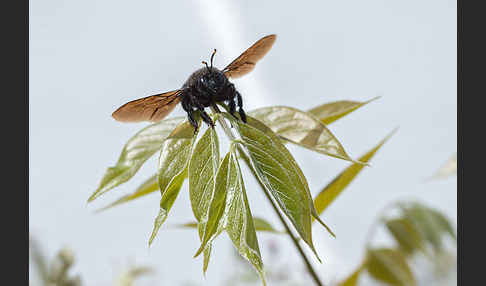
[(89, 57)]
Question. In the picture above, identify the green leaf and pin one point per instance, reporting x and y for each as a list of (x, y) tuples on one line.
[(259, 223), (149, 186), (279, 174), (406, 235), (226, 181), (330, 192), (207, 256), (443, 222), (389, 266), (265, 129), (187, 225), (202, 174), (352, 279), (166, 202), (137, 150), (332, 111), (428, 222), (263, 225), (447, 169), (127, 278), (240, 223), (301, 128), (173, 160)]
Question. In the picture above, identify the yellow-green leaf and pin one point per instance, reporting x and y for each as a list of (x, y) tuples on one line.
[(166, 202), (207, 256), (301, 128), (330, 192), (263, 225), (202, 173), (226, 181), (137, 150), (279, 173), (389, 266), (447, 169), (266, 130), (406, 235), (259, 223), (240, 224), (443, 222), (174, 155), (332, 111), (127, 278), (149, 186), (187, 225), (352, 279), (429, 222), (173, 160)]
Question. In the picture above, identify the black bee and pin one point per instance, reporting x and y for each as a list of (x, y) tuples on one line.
[(203, 88)]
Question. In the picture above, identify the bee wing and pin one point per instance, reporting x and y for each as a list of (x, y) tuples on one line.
[(245, 63), (151, 108)]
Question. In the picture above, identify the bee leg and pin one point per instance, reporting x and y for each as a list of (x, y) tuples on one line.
[(204, 115), (240, 107), (206, 118), (232, 108), (188, 108)]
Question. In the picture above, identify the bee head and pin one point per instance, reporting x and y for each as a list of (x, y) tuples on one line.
[(214, 79)]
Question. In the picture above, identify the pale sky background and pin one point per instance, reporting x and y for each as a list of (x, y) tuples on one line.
[(89, 57)]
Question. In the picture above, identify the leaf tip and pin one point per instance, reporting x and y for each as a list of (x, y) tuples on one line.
[(324, 225), (393, 132), (199, 251), (317, 256), (91, 198), (332, 233), (152, 237), (374, 98), (102, 209), (311, 245), (368, 164), (262, 276)]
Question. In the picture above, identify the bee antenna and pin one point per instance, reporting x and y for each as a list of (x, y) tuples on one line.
[(212, 56), (205, 63)]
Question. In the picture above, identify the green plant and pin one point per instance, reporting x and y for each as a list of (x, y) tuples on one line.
[(55, 273), (417, 230), (216, 185)]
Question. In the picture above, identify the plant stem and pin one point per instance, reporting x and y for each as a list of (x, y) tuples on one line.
[(242, 153)]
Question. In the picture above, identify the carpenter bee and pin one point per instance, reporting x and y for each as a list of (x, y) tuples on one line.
[(205, 87)]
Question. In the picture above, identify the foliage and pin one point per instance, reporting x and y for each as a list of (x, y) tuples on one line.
[(330, 192), (216, 186), (128, 277), (416, 229), (447, 169), (55, 273)]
